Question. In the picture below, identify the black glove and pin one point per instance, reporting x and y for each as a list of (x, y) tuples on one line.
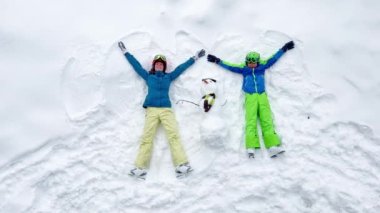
[(122, 46), (199, 54), (213, 58), (288, 46)]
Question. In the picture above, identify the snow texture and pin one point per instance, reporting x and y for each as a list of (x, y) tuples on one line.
[(72, 116)]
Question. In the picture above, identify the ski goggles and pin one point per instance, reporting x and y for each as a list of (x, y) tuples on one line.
[(160, 57), (251, 60)]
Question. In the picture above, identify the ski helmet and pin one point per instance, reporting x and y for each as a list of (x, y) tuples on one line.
[(252, 57), (159, 58)]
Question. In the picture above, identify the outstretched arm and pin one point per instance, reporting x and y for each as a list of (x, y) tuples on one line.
[(241, 65), (181, 68), (272, 60), (236, 68), (134, 62)]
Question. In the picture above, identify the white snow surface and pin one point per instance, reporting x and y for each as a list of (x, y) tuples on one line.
[(71, 106)]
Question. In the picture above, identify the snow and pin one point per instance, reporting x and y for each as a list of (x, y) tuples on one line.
[(71, 106)]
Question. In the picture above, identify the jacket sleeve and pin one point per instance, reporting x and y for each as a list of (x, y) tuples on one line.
[(236, 68), (137, 66), (181, 68), (272, 60)]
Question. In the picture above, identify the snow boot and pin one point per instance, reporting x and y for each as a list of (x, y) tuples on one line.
[(251, 153), (138, 173), (183, 170), (275, 151)]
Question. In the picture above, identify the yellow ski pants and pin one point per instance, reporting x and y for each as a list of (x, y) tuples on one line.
[(153, 118)]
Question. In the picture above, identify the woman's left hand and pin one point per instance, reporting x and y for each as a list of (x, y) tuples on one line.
[(199, 54)]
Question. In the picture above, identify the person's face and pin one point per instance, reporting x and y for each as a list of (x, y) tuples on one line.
[(159, 66), (252, 64)]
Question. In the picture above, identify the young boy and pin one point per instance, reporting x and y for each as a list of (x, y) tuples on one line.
[(256, 100)]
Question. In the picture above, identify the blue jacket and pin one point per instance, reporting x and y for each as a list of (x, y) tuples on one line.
[(254, 81), (158, 83)]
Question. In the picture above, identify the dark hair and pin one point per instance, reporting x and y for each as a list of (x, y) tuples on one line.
[(153, 71)]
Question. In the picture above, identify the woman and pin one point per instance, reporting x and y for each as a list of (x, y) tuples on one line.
[(158, 109), (256, 100)]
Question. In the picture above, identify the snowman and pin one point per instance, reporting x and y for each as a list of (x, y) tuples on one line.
[(208, 90), (213, 128)]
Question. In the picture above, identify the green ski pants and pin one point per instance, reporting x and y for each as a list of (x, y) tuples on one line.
[(257, 106)]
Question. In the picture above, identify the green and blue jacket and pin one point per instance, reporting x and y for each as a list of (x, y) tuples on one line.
[(254, 81)]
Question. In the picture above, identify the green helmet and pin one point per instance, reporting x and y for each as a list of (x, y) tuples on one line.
[(252, 57)]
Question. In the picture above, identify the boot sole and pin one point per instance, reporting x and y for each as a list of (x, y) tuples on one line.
[(179, 176), (136, 177), (276, 155)]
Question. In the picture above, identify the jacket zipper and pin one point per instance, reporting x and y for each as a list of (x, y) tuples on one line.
[(254, 80), (159, 91)]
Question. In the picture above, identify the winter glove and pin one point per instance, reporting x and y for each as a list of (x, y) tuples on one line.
[(199, 54), (213, 58), (288, 46), (122, 47)]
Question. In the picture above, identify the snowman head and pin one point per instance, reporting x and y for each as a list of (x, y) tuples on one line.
[(208, 86)]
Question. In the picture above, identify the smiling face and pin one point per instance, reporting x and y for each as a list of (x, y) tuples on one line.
[(252, 59), (159, 66), (252, 65)]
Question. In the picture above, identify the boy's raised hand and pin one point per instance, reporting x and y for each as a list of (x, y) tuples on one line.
[(213, 58), (288, 46)]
